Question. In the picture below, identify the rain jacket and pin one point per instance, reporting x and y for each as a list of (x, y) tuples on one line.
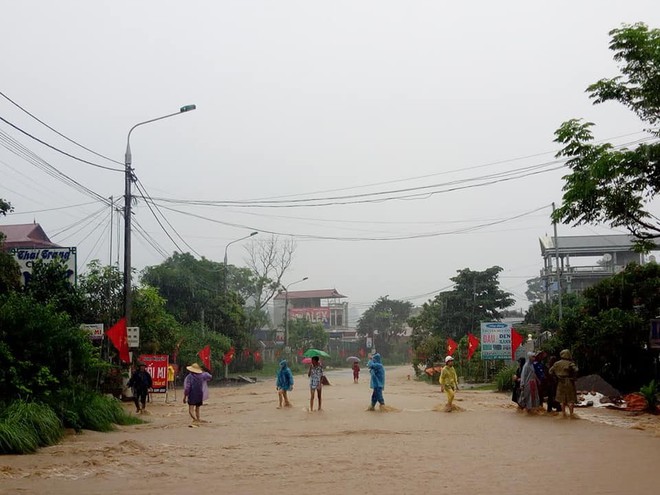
[(284, 377), (377, 372)]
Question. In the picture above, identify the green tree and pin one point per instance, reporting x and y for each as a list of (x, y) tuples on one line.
[(41, 349), (304, 334), (609, 185), (158, 328), (10, 273), (193, 338), (386, 320), (476, 297), (608, 327), (102, 289), (5, 207), (535, 291), (49, 284)]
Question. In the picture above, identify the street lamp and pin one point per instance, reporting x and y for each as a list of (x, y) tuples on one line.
[(129, 178), (286, 310), (226, 247)]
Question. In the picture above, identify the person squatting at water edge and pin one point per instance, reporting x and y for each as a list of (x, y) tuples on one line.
[(284, 383), (315, 374), (193, 391), (449, 382), (377, 383), (140, 383)]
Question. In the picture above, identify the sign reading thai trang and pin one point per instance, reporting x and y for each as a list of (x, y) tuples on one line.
[(27, 257)]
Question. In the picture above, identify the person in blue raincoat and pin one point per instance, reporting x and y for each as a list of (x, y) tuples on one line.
[(284, 383), (377, 371)]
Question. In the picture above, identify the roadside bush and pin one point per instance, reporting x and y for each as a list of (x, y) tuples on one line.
[(26, 426), (504, 379), (650, 393), (83, 409)]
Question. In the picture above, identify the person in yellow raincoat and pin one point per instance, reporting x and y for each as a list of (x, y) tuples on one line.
[(449, 382)]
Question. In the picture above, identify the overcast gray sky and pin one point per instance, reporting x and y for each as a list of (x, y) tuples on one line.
[(308, 99)]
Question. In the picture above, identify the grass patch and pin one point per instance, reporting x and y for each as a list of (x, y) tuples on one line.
[(83, 409), (26, 426)]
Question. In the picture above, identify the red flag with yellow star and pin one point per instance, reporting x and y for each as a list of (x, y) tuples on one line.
[(451, 346), (473, 343)]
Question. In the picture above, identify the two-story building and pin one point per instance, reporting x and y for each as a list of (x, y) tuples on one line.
[(584, 261), (323, 306)]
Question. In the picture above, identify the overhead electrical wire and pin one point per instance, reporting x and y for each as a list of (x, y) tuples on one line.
[(89, 218), (435, 174), (337, 238), (58, 132), (394, 194), (95, 247), (150, 202), (14, 213), (22, 151), (149, 239), (82, 160)]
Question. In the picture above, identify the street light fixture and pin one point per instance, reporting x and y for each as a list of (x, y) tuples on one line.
[(128, 179), (226, 247), (286, 310)]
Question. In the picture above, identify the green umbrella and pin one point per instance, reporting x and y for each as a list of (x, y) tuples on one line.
[(315, 352)]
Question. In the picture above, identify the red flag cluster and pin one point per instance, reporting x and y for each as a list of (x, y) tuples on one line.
[(205, 356), (118, 335)]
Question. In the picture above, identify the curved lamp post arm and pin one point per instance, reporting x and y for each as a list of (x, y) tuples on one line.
[(128, 181)]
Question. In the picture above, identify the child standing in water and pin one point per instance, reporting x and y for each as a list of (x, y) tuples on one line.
[(356, 372), (315, 375), (284, 383)]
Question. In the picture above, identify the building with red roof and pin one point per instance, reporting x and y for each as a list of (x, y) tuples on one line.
[(25, 235)]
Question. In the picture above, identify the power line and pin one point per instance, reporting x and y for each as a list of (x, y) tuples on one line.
[(336, 238), (156, 216), (406, 179), (57, 132), (415, 193), (28, 155), (59, 150), (51, 209)]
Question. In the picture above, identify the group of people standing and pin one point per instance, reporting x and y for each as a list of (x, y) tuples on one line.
[(535, 381), (284, 382)]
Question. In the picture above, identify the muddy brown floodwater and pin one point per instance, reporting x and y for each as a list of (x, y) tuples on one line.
[(248, 446)]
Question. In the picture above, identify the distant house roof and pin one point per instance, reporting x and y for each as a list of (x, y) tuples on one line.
[(311, 294), (25, 235), (586, 245)]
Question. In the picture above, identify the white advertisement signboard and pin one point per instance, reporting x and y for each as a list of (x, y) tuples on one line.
[(26, 257), (495, 340), (95, 330)]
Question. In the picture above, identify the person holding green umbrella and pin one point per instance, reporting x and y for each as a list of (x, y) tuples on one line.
[(315, 374)]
